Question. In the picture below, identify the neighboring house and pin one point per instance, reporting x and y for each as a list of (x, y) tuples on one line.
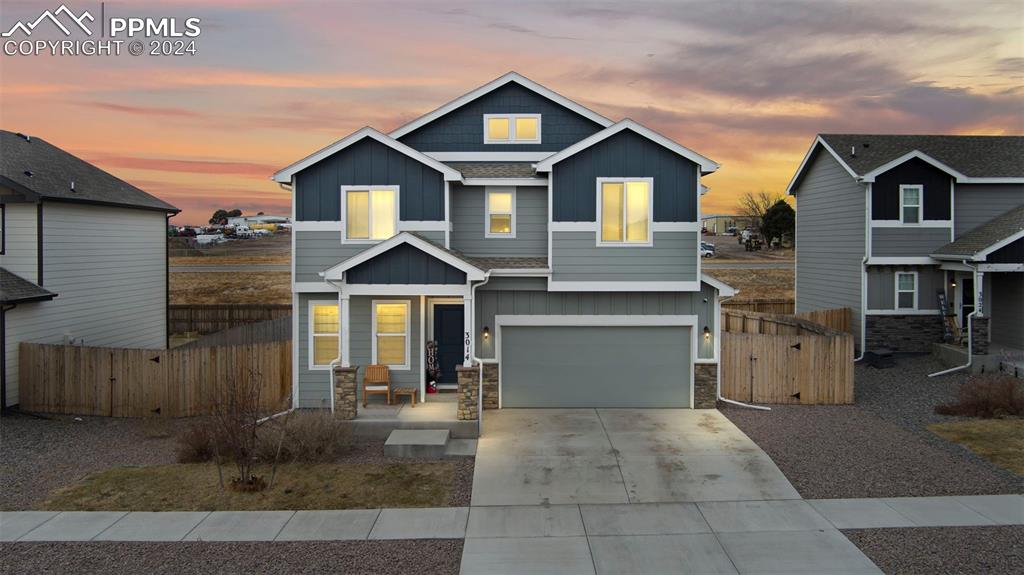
[(83, 258), (887, 224), (515, 228)]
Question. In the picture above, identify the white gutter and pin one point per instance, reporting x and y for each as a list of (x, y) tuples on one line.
[(718, 376), (863, 307), (970, 329), (480, 362)]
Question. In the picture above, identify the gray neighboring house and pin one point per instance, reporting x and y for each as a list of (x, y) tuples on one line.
[(519, 230), (889, 224), (83, 256)]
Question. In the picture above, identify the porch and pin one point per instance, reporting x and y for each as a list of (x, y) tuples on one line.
[(377, 420)]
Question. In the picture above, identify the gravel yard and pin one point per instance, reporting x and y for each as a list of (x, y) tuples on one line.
[(943, 550), (425, 557)]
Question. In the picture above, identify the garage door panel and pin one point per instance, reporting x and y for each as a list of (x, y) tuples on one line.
[(595, 366)]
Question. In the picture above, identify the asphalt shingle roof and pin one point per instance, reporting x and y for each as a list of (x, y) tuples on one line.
[(507, 263), (986, 235), (15, 289), (48, 171), (973, 156), (494, 169)]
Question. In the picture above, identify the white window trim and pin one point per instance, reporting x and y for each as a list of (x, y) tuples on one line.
[(898, 291), (650, 214), (920, 203), (344, 213), (408, 330), (487, 211), (311, 335), (512, 129)]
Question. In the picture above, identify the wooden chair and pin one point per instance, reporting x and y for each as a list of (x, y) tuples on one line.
[(377, 380)]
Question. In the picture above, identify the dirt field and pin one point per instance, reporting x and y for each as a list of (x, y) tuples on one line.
[(196, 288), (757, 284), (728, 248), (275, 249)]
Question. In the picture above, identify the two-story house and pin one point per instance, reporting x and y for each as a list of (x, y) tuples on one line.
[(519, 230), (922, 236)]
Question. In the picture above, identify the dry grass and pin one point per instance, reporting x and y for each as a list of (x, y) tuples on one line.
[(1001, 441), (757, 284), (231, 259), (204, 287), (195, 487)]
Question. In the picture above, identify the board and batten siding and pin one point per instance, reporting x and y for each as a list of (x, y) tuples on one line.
[(830, 207), (462, 129), (577, 257), (405, 264), (909, 241), (1007, 309), (368, 163), (108, 267), (21, 241), (318, 251), (499, 301), (975, 204), (882, 286), (625, 155), (468, 221)]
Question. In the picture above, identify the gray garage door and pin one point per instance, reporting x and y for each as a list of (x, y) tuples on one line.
[(575, 366)]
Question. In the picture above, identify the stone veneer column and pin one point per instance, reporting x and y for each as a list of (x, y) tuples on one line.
[(705, 385), (979, 334), (469, 392), (490, 386), (345, 392)]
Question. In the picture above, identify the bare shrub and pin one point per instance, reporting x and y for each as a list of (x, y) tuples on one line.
[(304, 437), (195, 444), (987, 395)]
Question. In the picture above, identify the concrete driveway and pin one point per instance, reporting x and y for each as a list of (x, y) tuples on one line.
[(593, 456)]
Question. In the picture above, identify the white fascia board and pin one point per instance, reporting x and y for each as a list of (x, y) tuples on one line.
[(1001, 267), (490, 87), (977, 180), (902, 261), (596, 320), (818, 141), (957, 265), (472, 272), (520, 272), (724, 289), (422, 226), (921, 224), (706, 165), (457, 290), (316, 226), (517, 182), (870, 176), (983, 254), (489, 156), (313, 287), (616, 286), (286, 174)]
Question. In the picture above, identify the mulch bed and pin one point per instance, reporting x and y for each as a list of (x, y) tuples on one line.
[(943, 550)]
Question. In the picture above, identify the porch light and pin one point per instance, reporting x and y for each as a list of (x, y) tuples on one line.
[(487, 333), (952, 283), (707, 333)]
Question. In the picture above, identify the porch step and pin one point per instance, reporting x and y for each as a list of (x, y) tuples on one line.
[(432, 443)]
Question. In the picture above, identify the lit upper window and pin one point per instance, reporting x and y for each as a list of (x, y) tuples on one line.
[(511, 128), (625, 210), (324, 333), (371, 213), (501, 218)]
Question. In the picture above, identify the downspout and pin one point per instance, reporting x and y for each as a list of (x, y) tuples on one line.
[(167, 283), (863, 308), (480, 362), (718, 377), (3, 356), (334, 362), (970, 328)]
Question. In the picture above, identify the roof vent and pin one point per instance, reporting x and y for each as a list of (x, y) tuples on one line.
[(28, 173), (25, 137), (72, 185), (853, 151)]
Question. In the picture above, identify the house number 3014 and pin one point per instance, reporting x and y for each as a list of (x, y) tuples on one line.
[(465, 346)]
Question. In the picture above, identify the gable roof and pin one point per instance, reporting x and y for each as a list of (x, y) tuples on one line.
[(976, 244), (16, 289), (37, 168), (706, 165), (491, 86), (285, 175), (494, 169), (969, 159), (454, 259)]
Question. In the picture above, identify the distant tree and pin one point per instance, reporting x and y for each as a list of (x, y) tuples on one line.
[(778, 221), (221, 216), (259, 213)]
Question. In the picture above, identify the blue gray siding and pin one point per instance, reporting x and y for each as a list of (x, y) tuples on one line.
[(625, 155), (405, 264), (576, 257), (317, 251), (368, 162), (462, 130), (907, 241), (467, 213), (1012, 253), (975, 204), (882, 286), (314, 384), (1007, 309), (829, 238), (502, 302)]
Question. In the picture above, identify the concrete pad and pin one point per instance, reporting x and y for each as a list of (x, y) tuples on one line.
[(515, 421), (338, 525), (563, 444), (14, 524), (525, 521), (796, 552), (527, 556), (680, 443), (426, 523), (240, 526), (658, 554), (74, 526), (1001, 509), (430, 411), (461, 448), (743, 516), (643, 519), (543, 480), (936, 511), (859, 513), (704, 478), (417, 443), (150, 526), (706, 421)]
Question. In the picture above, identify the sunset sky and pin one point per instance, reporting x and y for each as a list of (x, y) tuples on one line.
[(747, 84)]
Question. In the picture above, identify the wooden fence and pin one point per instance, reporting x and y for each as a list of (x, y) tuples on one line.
[(782, 306), (118, 382), (279, 329), (784, 359), (211, 318), (839, 319)]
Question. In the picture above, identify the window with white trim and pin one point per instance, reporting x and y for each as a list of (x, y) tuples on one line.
[(500, 209), (391, 333), (324, 333), (511, 128), (906, 290), (910, 203), (370, 212), (625, 210)]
